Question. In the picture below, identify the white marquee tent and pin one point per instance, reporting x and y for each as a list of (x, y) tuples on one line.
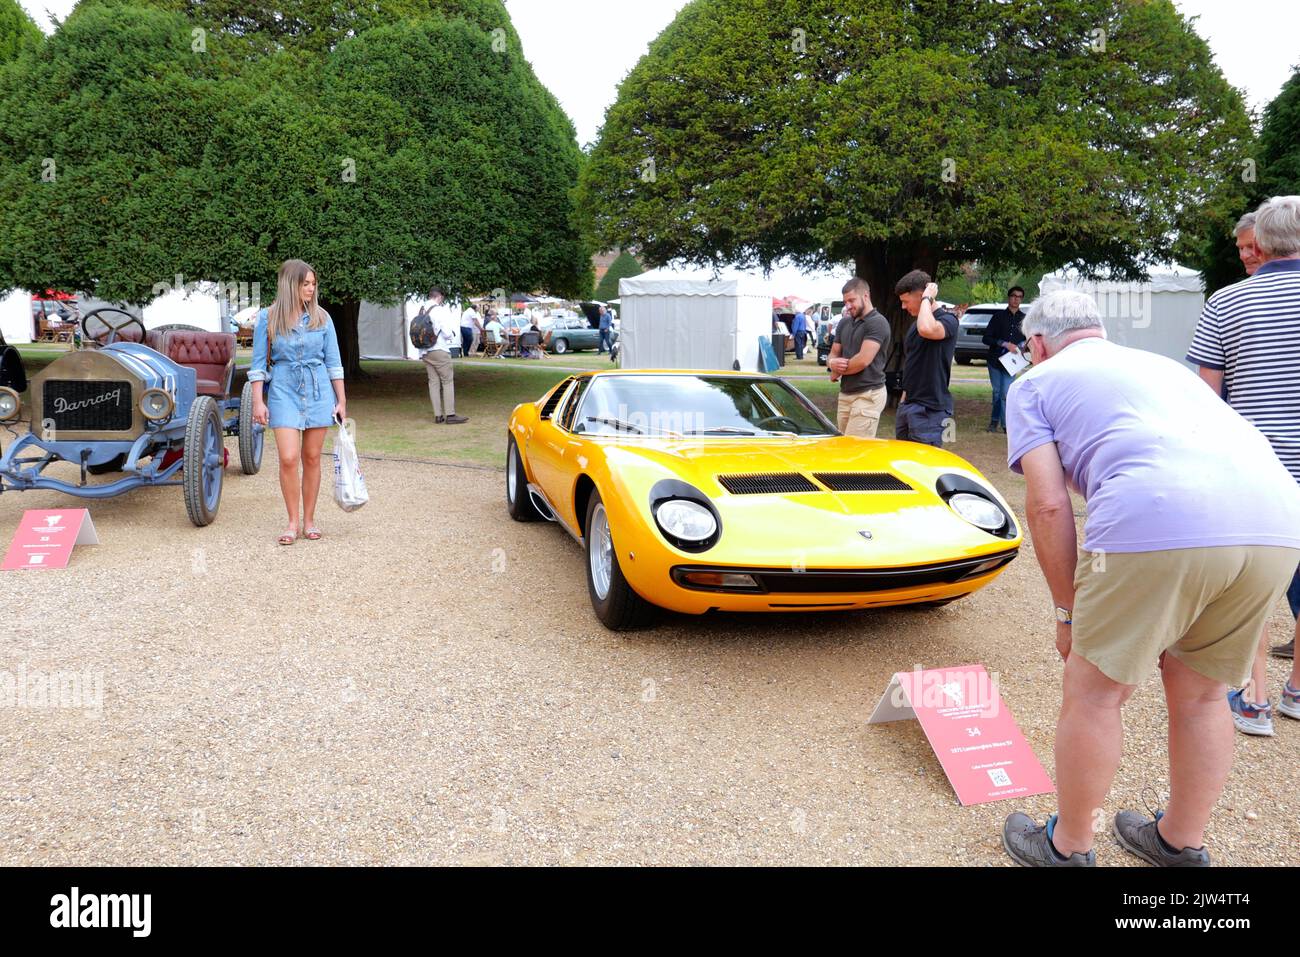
[(1158, 315), (701, 319)]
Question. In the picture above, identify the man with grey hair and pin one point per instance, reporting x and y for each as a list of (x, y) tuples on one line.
[(1247, 345), (1192, 533), (1247, 251)]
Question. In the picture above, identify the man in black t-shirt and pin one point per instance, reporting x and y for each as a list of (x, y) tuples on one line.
[(926, 407), (1003, 335)]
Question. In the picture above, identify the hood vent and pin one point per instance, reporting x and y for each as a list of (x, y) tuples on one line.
[(862, 482), (766, 483)]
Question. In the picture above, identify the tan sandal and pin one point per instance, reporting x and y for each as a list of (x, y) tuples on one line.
[(313, 534), (288, 538)]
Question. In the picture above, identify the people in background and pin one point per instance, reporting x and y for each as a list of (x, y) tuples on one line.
[(799, 327), (1247, 346), (1192, 534), (471, 327), (437, 359), (492, 332), (1003, 335), (857, 362), (925, 409), (604, 323)]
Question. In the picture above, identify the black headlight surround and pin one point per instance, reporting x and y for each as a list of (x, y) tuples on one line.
[(667, 490), (950, 484)]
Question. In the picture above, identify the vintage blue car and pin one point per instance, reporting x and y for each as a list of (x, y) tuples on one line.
[(146, 405)]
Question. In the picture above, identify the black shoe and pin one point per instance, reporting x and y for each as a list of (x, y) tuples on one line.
[(1284, 651), (1138, 835), (439, 419), (456, 419), (1028, 844)]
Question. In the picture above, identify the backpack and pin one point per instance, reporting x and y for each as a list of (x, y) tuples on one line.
[(423, 334)]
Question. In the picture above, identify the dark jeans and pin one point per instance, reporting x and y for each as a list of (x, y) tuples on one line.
[(1001, 379), (800, 340), (1293, 594), (466, 339), (604, 341), (916, 423)]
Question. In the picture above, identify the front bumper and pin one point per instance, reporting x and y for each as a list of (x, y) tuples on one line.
[(786, 589)]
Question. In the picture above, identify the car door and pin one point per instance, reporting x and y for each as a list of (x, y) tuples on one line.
[(553, 450)]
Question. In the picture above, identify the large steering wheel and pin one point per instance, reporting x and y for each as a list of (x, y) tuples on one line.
[(111, 327), (794, 426)]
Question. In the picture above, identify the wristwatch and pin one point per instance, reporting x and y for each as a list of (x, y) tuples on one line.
[(1064, 615), (929, 299)]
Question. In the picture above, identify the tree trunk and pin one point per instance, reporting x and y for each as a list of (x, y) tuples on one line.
[(346, 314), (882, 265)]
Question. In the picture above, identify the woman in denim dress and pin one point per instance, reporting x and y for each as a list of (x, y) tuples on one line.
[(305, 394)]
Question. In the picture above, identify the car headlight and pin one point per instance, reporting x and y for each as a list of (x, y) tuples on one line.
[(10, 404), (978, 511), (689, 521), (156, 404)]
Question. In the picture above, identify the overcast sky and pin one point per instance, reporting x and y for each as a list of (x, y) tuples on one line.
[(582, 49)]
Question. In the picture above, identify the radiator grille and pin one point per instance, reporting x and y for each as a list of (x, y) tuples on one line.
[(766, 483), (862, 482), (97, 405)]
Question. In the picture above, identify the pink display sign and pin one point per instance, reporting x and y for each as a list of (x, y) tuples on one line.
[(45, 539), (973, 734)]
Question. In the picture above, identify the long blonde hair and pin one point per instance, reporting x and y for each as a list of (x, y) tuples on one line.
[(282, 318)]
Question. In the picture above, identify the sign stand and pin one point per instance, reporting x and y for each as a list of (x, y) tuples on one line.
[(974, 736), (46, 538)]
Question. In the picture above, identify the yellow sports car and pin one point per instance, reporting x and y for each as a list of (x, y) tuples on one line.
[(703, 491)]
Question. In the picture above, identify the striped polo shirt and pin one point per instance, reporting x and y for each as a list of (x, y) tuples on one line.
[(1251, 332)]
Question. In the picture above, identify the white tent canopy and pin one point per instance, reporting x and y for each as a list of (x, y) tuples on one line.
[(1158, 315), (702, 319)]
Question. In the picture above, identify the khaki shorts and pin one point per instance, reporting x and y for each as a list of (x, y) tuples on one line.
[(1204, 606), (858, 413)]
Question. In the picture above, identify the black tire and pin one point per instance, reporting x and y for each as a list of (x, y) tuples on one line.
[(560, 346), (621, 608), (251, 442), (112, 465), (201, 481), (518, 502)]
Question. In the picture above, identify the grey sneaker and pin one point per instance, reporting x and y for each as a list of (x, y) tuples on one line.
[(1250, 718), (1137, 834), (1028, 844), (1284, 651)]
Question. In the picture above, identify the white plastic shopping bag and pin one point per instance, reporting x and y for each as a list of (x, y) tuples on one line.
[(349, 486)]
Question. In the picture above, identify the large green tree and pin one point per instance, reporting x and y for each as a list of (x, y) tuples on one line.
[(900, 134), (145, 141), (18, 32), (621, 268), (1272, 168)]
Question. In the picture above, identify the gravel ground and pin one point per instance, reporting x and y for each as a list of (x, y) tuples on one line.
[(427, 685)]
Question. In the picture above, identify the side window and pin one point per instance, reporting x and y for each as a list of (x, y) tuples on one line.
[(571, 407)]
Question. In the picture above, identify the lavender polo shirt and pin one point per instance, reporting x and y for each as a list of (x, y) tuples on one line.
[(1162, 461)]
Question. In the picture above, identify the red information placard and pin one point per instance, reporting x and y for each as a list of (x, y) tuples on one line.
[(978, 743), (45, 539)]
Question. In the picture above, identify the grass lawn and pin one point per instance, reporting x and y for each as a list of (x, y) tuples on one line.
[(395, 418)]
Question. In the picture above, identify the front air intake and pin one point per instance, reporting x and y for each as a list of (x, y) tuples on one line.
[(766, 483), (94, 405), (862, 482)]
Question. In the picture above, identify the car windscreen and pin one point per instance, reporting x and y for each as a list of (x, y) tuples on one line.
[(975, 319), (688, 405)]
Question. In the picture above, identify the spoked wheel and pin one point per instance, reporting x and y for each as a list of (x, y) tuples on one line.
[(616, 604), (518, 501), (252, 437), (204, 461)]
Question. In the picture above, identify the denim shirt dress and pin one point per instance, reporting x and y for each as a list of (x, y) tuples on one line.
[(304, 363)]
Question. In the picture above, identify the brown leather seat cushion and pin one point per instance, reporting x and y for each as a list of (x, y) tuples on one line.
[(210, 354)]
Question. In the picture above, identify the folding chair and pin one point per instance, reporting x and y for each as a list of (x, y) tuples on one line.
[(491, 345)]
